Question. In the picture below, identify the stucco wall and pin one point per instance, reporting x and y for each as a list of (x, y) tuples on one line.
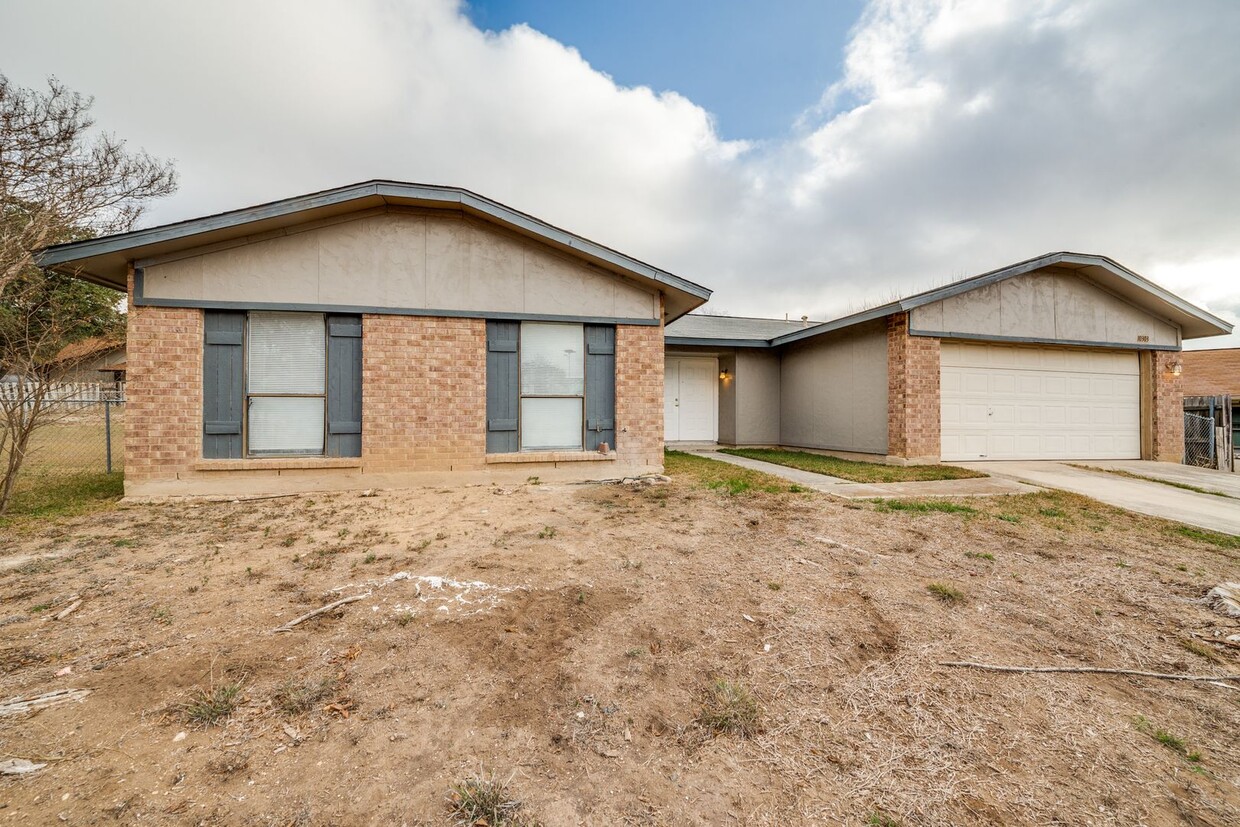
[(1046, 305), (833, 391), (402, 260), (727, 399), (757, 398)]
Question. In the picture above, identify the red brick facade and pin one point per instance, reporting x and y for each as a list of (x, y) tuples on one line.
[(1211, 372), (639, 394), (163, 416), (423, 403), (1166, 408), (913, 417), (424, 393)]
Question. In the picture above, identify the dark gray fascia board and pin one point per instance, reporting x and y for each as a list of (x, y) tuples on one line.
[(689, 341), (390, 311), (1139, 280), (837, 324), (1038, 340), (1020, 268), (71, 251), (63, 253)]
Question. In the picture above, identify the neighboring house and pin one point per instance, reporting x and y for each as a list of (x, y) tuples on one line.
[(1212, 389), (381, 334), (97, 359), (1212, 372), (1065, 356)]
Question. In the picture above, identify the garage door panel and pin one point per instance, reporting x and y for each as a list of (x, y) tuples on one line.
[(1052, 414), (975, 382), (1008, 402), (1002, 416)]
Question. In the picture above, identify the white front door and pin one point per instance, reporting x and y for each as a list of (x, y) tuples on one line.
[(690, 399), (1007, 402)]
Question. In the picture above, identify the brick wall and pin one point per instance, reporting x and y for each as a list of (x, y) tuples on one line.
[(913, 427), (163, 409), (1211, 372), (423, 385), (424, 393), (639, 394), (1166, 420)]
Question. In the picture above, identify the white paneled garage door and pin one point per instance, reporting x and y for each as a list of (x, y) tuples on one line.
[(1007, 402)]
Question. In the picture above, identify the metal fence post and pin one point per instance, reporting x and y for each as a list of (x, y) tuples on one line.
[(107, 431)]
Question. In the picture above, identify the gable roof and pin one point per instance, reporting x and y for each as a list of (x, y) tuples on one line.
[(1192, 320), (728, 331), (86, 348), (105, 260)]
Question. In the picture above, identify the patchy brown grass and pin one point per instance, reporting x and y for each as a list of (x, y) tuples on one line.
[(578, 665), (852, 469)]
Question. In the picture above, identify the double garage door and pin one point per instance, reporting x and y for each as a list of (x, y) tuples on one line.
[(1006, 402)]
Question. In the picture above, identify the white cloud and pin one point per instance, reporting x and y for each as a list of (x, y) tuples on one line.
[(964, 135)]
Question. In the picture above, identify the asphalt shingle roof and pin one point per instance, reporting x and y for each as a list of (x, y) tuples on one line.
[(698, 326)]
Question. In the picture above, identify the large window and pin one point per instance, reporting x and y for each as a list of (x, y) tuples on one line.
[(281, 384), (286, 369), (552, 386)]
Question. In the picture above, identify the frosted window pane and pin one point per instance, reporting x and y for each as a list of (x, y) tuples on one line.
[(550, 424), (286, 425), (552, 359), (287, 353)]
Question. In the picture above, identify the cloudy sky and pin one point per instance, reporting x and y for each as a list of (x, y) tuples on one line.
[(804, 159)]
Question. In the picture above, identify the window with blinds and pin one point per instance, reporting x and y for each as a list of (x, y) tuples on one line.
[(552, 362), (286, 370)]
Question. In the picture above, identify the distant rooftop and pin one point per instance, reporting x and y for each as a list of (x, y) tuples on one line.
[(697, 328)]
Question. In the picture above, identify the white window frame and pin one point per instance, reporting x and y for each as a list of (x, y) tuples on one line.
[(249, 397), (522, 396)]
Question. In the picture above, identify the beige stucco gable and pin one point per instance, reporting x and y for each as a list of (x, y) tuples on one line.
[(398, 259), (1047, 306)]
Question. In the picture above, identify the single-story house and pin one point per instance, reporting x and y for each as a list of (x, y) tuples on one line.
[(381, 334), (94, 359), (1065, 356)]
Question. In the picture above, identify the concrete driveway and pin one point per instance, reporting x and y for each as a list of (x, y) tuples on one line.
[(1154, 496)]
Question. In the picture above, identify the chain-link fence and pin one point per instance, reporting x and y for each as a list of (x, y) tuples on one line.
[(82, 430), (1199, 441)]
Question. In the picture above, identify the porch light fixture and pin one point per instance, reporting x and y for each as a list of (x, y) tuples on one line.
[(1177, 368), (723, 375)]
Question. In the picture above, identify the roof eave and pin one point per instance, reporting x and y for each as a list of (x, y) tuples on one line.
[(1194, 322), (72, 257), (690, 341)]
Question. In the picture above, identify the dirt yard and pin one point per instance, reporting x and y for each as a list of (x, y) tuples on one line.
[(674, 654)]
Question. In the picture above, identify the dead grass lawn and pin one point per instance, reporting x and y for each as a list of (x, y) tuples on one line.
[(678, 654)]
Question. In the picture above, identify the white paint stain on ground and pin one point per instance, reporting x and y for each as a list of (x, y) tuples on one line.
[(435, 593)]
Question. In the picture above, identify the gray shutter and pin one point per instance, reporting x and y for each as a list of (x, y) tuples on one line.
[(600, 386), (344, 386), (223, 384), (502, 387)]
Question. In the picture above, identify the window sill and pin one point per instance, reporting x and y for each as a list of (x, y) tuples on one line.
[(276, 463), (552, 456)]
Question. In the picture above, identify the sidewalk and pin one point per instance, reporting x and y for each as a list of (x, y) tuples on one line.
[(976, 487)]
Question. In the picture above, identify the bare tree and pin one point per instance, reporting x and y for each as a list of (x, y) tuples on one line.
[(60, 180)]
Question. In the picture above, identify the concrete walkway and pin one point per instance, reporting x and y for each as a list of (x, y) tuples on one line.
[(1142, 496), (977, 487)]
